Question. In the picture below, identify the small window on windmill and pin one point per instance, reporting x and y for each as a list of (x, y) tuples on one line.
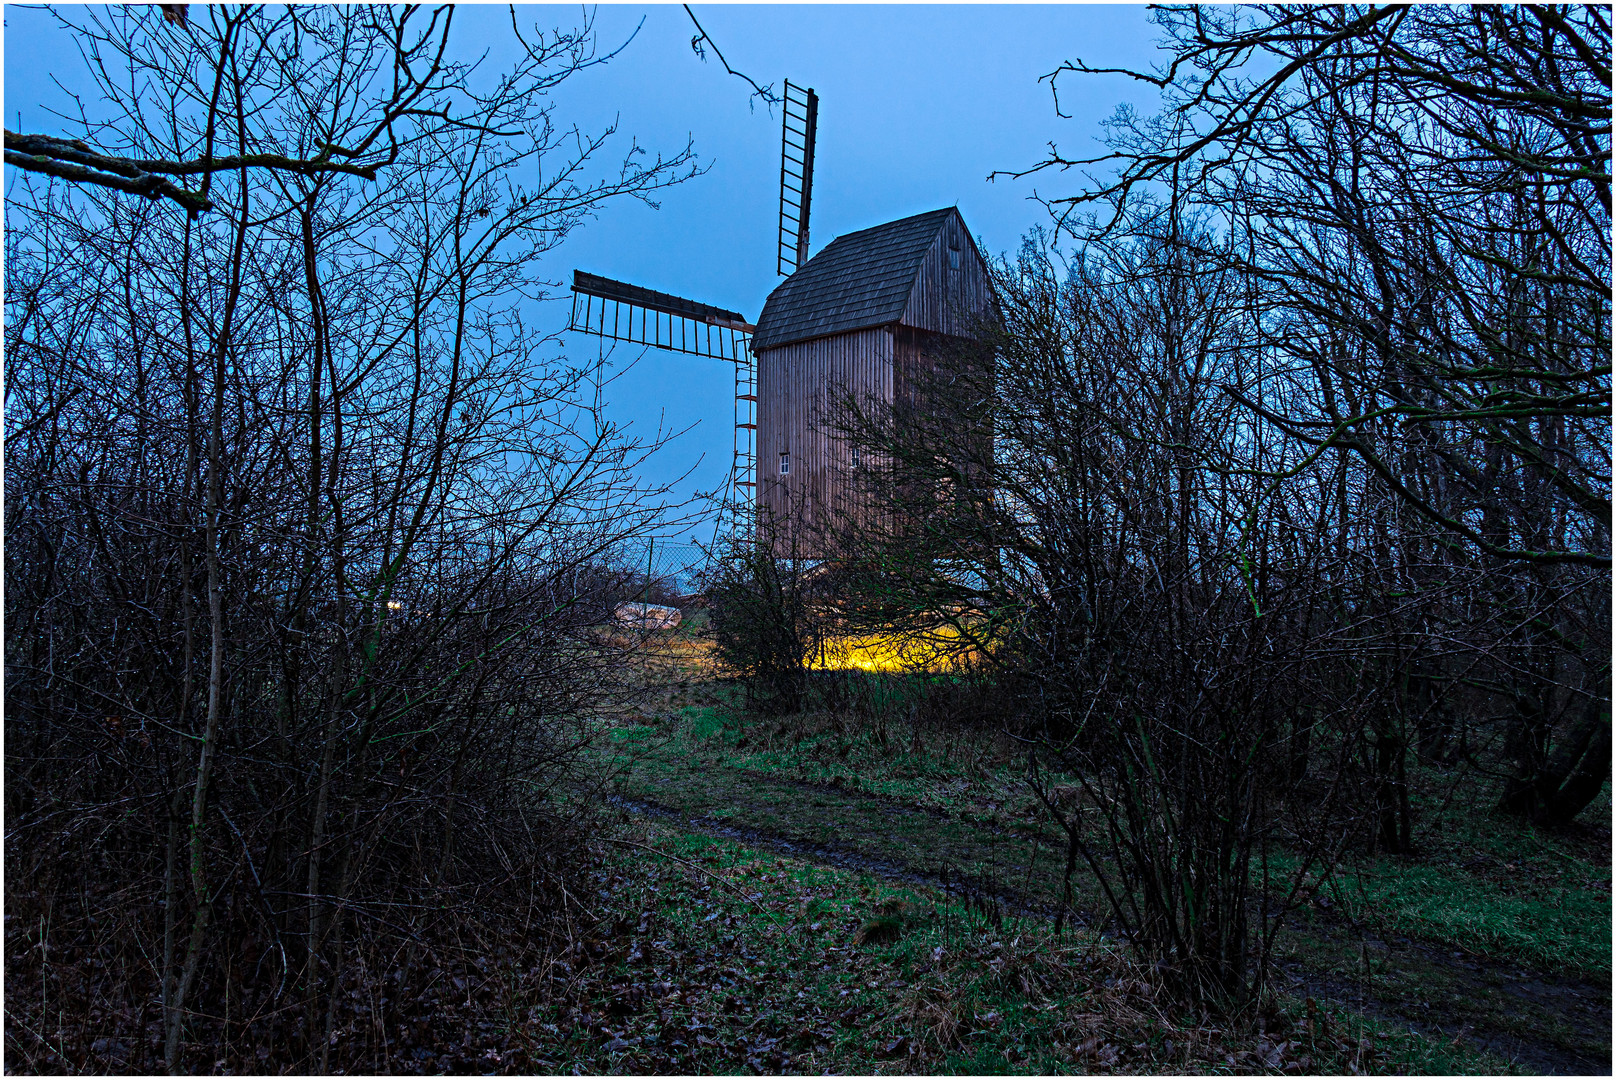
[(953, 257), (785, 462)]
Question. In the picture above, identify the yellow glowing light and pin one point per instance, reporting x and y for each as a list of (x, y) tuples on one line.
[(395, 605), (937, 649)]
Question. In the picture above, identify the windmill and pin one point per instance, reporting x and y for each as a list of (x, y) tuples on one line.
[(619, 311), (869, 315)]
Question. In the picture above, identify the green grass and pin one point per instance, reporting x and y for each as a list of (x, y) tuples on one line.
[(1565, 932), (1479, 883), (1440, 935), (694, 767), (734, 959), (1492, 885), (960, 773)]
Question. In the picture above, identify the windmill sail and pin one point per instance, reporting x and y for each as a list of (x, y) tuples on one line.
[(624, 312), (799, 123)]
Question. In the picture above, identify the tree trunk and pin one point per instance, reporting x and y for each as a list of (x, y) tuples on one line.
[(1579, 767)]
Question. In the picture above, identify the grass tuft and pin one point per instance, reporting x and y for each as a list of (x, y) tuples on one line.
[(881, 930)]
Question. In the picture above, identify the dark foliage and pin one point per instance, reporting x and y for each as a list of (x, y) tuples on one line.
[(308, 542), (767, 601), (1420, 200)]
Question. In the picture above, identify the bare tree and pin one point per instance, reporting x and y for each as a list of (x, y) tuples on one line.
[(308, 529), (105, 155), (769, 595), (1423, 195), (1429, 191), (1180, 634)]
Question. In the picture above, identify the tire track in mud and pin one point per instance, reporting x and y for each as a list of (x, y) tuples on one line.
[(1537, 1057), (1546, 993), (1013, 901)]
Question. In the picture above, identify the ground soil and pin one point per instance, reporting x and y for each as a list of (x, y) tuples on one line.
[(1544, 1023)]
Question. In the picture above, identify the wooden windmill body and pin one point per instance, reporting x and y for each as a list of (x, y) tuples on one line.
[(862, 317)]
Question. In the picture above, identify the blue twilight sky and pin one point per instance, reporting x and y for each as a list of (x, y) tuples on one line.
[(918, 104)]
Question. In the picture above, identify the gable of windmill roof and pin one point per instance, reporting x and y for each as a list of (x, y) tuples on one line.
[(860, 280)]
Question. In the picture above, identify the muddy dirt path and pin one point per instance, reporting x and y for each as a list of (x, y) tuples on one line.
[(1011, 901), (1544, 1023)]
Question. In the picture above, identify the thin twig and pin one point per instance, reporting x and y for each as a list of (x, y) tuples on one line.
[(269, 912), (766, 93)]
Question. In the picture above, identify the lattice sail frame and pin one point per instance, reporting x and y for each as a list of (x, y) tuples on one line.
[(624, 312), (799, 125), (743, 473), (619, 311)]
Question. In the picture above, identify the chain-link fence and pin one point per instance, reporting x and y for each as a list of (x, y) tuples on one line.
[(674, 564)]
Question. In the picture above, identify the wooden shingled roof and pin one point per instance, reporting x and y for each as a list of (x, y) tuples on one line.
[(858, 281)]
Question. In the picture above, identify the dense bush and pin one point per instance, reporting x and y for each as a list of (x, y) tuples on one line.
[(308, 541), (1298, 461), (767, 599)]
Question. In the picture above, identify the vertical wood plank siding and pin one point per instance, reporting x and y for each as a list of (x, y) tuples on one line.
[(798, 387), (947, 301), (799, 383)]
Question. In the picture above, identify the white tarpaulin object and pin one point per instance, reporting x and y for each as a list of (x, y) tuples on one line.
[(648, 616)]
